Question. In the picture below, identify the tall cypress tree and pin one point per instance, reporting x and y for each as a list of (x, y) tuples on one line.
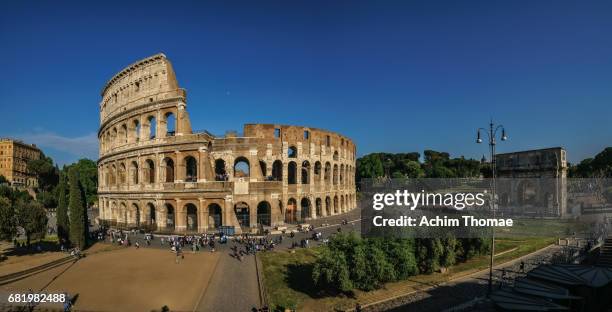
[(63, 224), (78, 210)]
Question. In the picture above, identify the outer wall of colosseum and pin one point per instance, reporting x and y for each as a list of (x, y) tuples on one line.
[(155, 172)]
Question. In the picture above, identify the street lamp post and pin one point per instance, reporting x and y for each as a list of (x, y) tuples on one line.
[(491, 133)]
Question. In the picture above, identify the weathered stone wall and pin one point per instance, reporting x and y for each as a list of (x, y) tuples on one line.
[(183, 181)]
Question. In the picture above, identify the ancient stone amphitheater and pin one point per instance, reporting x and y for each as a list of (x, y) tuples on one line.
[(156, 172)]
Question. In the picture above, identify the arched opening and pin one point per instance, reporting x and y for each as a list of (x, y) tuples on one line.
[(342, 209), (152, 214), (264, 213), (527, 193), (214, 216), (137, 130), (341, 174), (327, 173), (113, 180), (192, 217), (336, 205), (318, 208), (220, 172), (336, 155), (335, 177), (292, 152), (317, 172), (328, 206), (124, 134), (134, 172), (169, 164), (241, 168), (305, 172), (136, 214), (191, 169), (305, 212), (262, 166), (152, 127), (292, 173), (290, 212), (150, 171), (122, 173), (170, 217), (170, 124), (277, 170), (242, 214)]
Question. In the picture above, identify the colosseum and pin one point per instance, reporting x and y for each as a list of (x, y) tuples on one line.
[(156, 172)]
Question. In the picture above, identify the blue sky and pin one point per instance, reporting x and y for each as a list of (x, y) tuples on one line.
[(396, 76)]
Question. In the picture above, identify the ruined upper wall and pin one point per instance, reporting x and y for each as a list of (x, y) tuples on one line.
[(147, 81)]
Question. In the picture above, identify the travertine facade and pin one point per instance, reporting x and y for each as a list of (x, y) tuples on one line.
[(155, 171), (14, 157)]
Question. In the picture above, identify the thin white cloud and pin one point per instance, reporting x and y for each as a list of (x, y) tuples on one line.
[(80, 147)]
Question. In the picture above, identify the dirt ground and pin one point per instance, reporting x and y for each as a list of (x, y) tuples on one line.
[(128, 280)]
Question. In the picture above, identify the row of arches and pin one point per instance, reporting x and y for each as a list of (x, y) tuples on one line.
[(132, 173), (190, 218), (139, 129)]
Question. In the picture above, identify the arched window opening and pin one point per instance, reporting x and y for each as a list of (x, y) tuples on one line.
[(214, 216), (292, 152), (262, 166), (169, 216), (191, 169), (152, 127), (336, 205), (220, 172), (124, 134), (242, 214), (122, 173), (134, 172), (277, 170), (305, 172), (290, 212), (170, 124), (305, 212), (137, 130), (136, 214), (342, 208), (336, 155), (327, 174), (152, 215), (150, 171), (192, 217), (264, 213), (292, 173), (169, 163), (113, 175), (335, 177), (328, 206), (317, 172), (114, 137), (318, 208), (341, 174), (241, 168)]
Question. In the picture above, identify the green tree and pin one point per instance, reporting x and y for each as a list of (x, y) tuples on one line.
[(78, 210), (8, 228), (63, 224), (3, 179), (331, 271), (32, 217), (46, 173), (88, 177)]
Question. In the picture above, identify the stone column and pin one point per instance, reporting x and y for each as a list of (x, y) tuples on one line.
[(202, 216), (180, 216)]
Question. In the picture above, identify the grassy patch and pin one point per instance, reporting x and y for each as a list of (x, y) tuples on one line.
[(287, 277)]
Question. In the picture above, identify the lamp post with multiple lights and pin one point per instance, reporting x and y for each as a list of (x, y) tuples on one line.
[(491, 134)]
